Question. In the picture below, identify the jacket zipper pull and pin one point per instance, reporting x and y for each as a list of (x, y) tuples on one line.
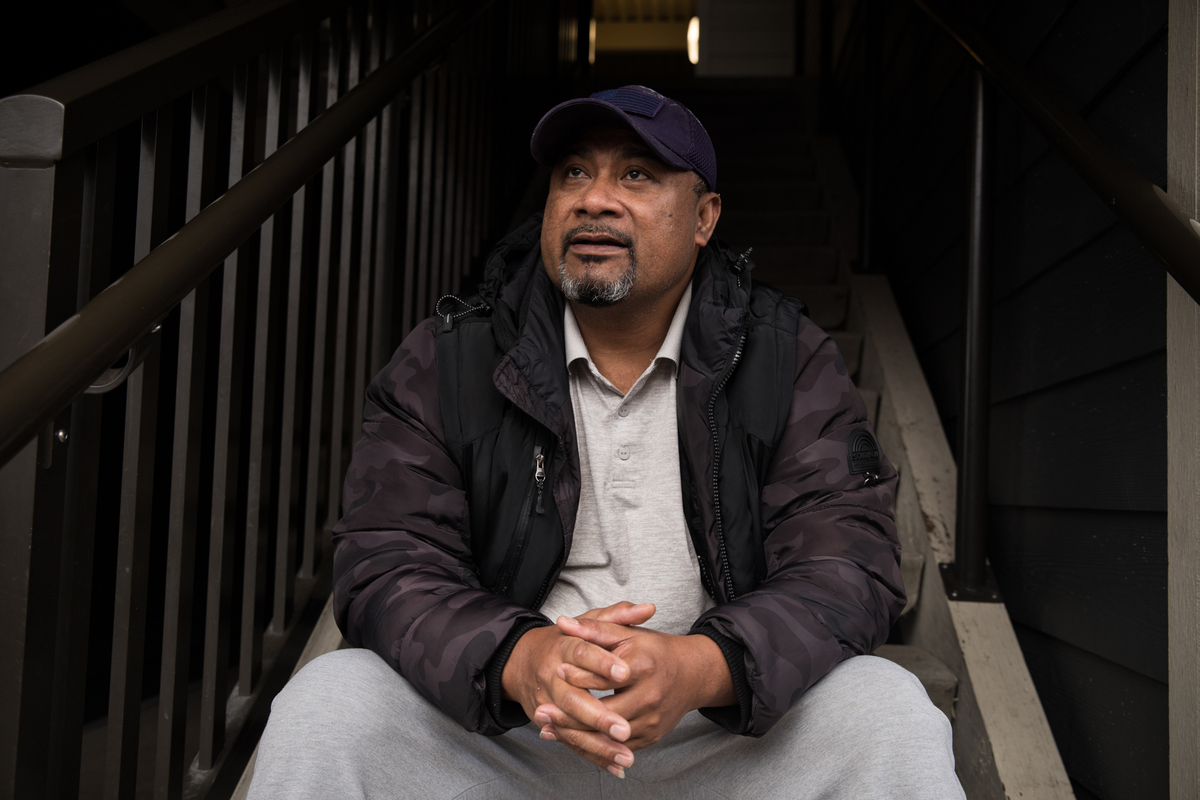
[(539, 476)]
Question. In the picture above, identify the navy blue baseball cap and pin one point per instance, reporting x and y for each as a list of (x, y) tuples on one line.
[(666, 125)]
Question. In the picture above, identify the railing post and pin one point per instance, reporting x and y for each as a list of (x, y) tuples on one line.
[(37, 292), (969, 578)]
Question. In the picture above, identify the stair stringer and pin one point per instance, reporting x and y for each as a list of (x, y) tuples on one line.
[(1003, 746)]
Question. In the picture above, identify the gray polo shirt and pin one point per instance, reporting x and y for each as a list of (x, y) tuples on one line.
[(631, 541)]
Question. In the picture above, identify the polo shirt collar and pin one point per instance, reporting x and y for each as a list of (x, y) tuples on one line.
[(576, 349)]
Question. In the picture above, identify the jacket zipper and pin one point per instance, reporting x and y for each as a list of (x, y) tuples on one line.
[(545, 588), (449, 317), (712, 426), (528, 509)]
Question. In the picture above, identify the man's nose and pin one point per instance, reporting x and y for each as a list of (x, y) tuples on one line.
[(600, 198)]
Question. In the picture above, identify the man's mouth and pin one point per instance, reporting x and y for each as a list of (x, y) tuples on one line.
[(596, 244)]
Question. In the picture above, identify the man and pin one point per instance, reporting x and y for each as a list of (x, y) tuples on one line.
[(612, 491)]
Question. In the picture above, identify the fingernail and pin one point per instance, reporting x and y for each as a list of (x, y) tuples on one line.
[(624, 760), (618, 771), (541, 718), (619, 731), (568, 620), (620, 672), (548, 736)]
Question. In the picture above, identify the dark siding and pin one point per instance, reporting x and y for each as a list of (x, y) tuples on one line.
[(1105, 718), (1078, 462), (1095, 442), (1117, 312), (1080, 575)]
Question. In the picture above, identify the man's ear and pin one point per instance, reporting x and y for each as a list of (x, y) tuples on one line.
[(708, 211)]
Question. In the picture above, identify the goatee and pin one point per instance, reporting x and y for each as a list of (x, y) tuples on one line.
[(589, 289)]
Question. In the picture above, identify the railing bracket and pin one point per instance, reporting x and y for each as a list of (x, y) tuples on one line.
[(956, 590), (113, 377)]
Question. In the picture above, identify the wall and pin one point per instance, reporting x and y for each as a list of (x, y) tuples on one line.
[(1078, 462)]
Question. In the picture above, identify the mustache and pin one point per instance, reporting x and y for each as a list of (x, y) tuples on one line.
[(597, 230)]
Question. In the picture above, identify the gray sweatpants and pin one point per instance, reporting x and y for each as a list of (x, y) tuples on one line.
[(347, 726)]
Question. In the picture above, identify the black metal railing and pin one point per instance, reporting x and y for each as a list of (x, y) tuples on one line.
[(221, 235)]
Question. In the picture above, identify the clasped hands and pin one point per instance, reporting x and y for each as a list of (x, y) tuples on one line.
[(655, 677)]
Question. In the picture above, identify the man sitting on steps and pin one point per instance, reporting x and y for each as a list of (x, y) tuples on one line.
[(621, 415)]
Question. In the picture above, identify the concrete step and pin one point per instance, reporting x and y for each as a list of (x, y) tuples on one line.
[(940, 683)]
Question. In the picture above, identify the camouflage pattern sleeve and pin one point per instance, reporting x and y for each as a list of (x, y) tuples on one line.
[(833, 583), (403, 579)]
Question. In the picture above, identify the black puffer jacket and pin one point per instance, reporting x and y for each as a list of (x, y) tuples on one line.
[(440, 565)]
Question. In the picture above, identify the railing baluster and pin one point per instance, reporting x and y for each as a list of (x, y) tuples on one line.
[(137, 487), (83, 467), (133, 557), (261, 450), (338, 432), (227, 454), (289, 466), (459, 262), (431, 80), (312, 492), (485, 164), (436, 283), (451, 147), (415, 108), (365, 255), (476, 198), (185, 471), (385, 227)]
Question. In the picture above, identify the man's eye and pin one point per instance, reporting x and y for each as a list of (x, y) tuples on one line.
[(574, 172), (636, 174)]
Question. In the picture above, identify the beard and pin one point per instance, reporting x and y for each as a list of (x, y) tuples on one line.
[(589, 289)]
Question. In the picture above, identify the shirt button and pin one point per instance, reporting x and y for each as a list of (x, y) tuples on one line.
[(623, 454), (623, 411)]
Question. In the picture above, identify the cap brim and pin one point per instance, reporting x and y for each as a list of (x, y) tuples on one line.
[(566, 121)]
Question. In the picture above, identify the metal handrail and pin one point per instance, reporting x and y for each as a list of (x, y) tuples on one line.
[(41, 383), (1153, 217)]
